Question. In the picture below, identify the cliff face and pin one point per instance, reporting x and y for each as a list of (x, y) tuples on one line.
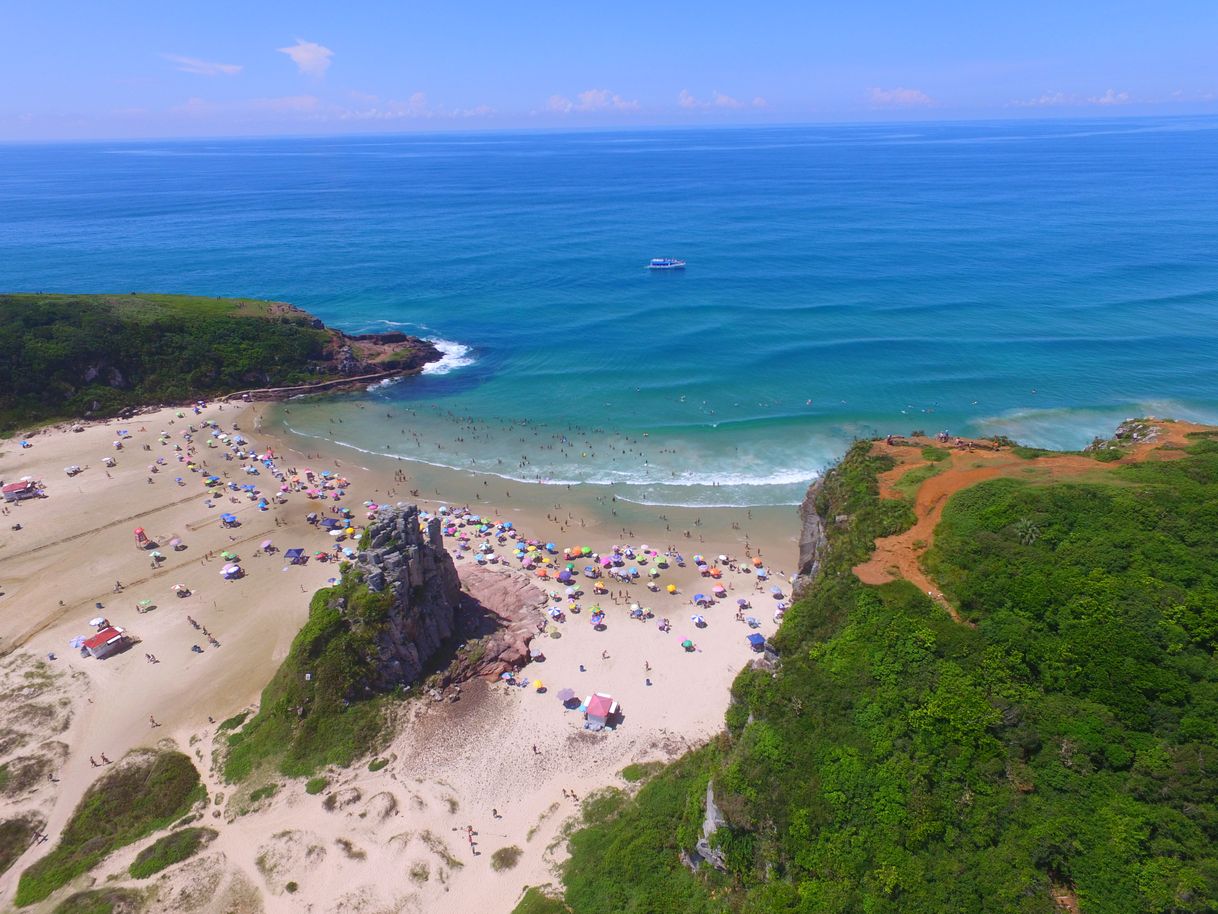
[(812, 541), (413, 567)]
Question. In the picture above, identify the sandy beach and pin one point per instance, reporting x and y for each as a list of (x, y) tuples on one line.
[(509, 764)]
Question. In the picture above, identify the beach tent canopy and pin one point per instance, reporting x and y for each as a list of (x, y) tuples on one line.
[(600, 705), (757, 641), (330, 522), (293, 554)]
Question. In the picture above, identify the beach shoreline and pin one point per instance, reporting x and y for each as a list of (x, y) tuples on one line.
[(503, 761)]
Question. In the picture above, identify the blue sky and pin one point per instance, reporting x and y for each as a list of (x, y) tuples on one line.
[(124, 68)]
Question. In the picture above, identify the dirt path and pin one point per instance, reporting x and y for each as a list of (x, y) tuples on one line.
[(900, 556)]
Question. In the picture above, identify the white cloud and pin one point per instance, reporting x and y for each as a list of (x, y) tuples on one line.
[(202, 67), (1070, 100), (1046, 100), (416, 107), (688, 100), (313, 59), (591, 100), (1111, 97), (899, 98)]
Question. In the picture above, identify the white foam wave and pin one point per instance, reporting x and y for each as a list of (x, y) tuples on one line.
[(387, 382), (456, 355), (725, 481)]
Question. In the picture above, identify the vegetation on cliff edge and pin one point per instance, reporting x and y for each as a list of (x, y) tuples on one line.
[(899, 762), (70, 356), (318, 709)]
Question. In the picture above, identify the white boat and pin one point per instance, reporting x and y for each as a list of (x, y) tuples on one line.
[(665, 263)]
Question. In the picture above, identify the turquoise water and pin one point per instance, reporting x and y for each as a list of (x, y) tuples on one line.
[(1041, 280)]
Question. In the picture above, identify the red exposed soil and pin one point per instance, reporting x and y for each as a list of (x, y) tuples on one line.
[(973, 462)]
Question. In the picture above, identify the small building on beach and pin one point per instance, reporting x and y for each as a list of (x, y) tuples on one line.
[(20, 491), (599, 709), (106, 642)]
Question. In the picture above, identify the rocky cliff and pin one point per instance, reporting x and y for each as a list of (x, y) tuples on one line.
[(413, 568), (812, 541)]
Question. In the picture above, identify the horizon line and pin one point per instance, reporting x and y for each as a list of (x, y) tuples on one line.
[(1095, 116)]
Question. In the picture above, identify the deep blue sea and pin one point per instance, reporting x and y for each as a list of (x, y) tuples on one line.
[(1040, 280)]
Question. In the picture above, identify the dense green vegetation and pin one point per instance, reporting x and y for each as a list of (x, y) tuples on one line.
[(640, 771), (16, 835), (132, 800), (232, 723), (170, 849), (102, 901), (535, 901), (899, 762), (66, 356), (910, 481), (317, 709)]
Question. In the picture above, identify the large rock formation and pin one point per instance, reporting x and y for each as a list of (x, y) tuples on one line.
[(415, 569), (812, 540), (500, 615)]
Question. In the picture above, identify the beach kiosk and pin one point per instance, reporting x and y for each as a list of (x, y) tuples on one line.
[(598, 709), (106, 642), (20, 491)]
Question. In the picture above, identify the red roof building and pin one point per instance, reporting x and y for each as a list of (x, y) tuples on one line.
[(598, 708), (105, 642), (16, 491)]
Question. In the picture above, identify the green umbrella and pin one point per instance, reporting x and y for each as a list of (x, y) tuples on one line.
[(687, 644)]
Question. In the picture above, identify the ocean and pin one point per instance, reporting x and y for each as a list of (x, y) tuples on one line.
[(1041, 280)]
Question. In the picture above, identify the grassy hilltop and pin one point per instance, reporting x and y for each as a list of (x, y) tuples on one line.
[(1055, 749), (69, 356)]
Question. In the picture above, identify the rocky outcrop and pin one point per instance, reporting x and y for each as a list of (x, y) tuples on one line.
[(414, 568), (711, 823), (812, 541), (500, 615)]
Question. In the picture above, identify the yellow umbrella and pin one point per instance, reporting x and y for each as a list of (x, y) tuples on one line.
[(538, 684), (672, 588)]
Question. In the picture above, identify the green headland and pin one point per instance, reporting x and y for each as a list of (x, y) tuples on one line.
[(81, 356)]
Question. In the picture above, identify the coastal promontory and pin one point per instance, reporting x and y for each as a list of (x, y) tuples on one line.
[(98, 355)]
